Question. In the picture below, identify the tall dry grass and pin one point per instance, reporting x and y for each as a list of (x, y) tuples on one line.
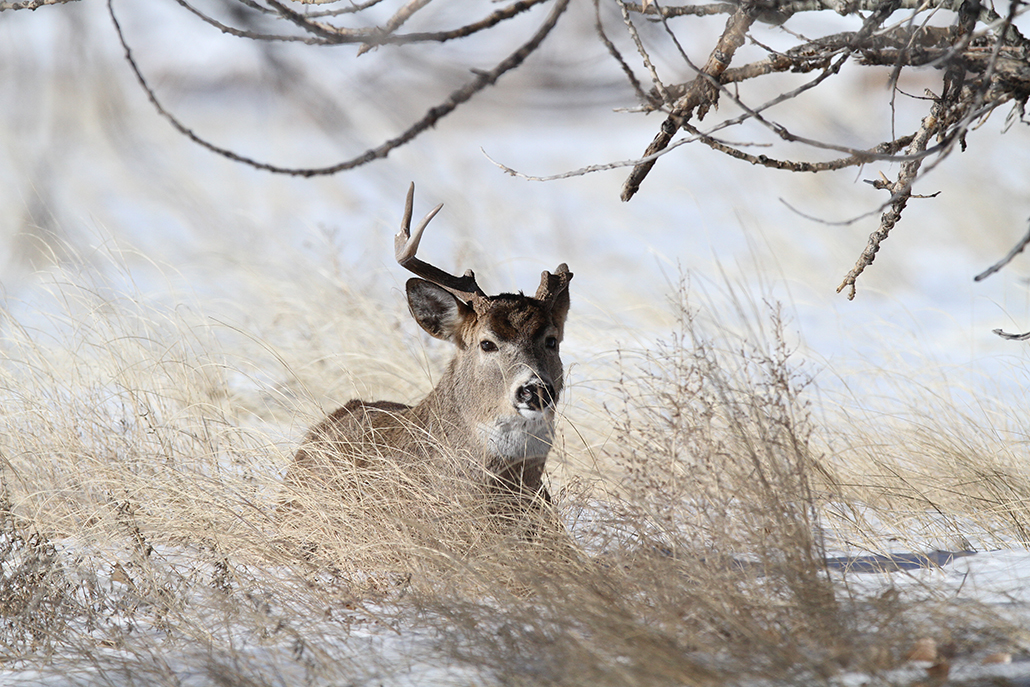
[(143, 442)]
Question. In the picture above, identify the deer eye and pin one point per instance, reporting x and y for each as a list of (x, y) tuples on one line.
[(551, 342), (487, 346)]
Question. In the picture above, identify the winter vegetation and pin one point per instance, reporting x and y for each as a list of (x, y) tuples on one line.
[(712, 504)]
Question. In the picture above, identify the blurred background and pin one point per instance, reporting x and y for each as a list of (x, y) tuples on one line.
[(95, 182)]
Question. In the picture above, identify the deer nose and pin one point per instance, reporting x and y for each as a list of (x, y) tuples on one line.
[(535, 395)]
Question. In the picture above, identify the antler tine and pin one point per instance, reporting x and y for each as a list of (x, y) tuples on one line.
[(553, 284), (405, 245)]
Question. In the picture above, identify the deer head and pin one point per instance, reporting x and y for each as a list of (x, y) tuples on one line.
[(507, 374)]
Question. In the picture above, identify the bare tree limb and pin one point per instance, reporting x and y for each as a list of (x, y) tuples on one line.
[(883, 151), (1011, 337), (253, 35), (950, 110), (984, 62), (433, 115), (352, 8), (30, 4), (697, 96), (582, 171), (488, 22), (1016, 250), (614, 52), (404, 14), (655, 10), (644, 56), (901, 191), (327, 32), (782, 9), (370, 37)]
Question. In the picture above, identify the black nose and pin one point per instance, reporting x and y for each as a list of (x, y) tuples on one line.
[(535, 395)]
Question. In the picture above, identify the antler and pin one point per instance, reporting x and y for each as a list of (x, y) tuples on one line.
[(553, 284), (405, 245)]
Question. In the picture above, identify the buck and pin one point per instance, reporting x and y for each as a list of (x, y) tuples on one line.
[(490, 419)]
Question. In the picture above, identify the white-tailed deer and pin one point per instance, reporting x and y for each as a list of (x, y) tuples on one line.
[(488, 423)]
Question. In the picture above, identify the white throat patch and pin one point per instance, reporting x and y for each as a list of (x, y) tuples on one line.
[(516, 438)]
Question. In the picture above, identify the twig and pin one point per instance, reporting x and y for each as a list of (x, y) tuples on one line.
[(483, 80), (697, 96), (334, 34), (404, 14), (834, 223), (352, 8), (373, 36), (883, 151), (654, 10), (652, 70), (590, 169), (30, 4), (253, 35), (1004, 261), (901, 191), (787, 8), (488, 22), (614, 52), (1011, 337)]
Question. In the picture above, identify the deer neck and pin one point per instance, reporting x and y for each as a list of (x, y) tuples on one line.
[(510, 446)]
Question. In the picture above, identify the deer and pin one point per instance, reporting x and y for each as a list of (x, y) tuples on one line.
[(490, 419)]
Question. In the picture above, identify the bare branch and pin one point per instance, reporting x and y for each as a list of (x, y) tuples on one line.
[(328, 32), (883, 151), (352, 8), (241, 33), (373, 36), (30, 4), (582, 171), (488, 22), (1011, 337), (946, 109), (983, 58), (404, 14), (781, 10), (698, 96), (655, 10), (901, 191), (1016, 250), (652, 70), (865, 41), (614, 52), (483, 80)]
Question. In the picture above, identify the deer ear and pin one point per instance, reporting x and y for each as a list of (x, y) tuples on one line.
[(554, 292), (436, 310), (560, 308), (554, 289)]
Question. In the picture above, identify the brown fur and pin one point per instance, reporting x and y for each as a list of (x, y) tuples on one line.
[(481, 426)]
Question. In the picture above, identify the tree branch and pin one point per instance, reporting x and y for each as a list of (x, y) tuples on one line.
[(383, 35), (483, 80), (901, 191), (30, 4), (1023, 242), (700, 95)]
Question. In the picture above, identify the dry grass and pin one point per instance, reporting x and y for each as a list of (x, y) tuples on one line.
[(141, 454)]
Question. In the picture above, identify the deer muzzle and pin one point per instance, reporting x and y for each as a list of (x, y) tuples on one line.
[(535, 395)]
